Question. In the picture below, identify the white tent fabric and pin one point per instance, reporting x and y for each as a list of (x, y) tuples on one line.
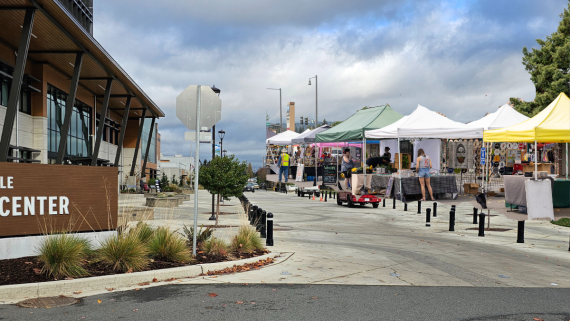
[(424, 123), (506, 116), (282, 139), (392, 144), (432, 148)]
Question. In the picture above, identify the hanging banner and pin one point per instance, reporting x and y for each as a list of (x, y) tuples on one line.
[(299, 174), (483, 153)]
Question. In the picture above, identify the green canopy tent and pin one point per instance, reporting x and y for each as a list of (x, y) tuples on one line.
[(353, 128)]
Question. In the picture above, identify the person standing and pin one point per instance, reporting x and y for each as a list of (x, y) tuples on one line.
[(423, 164), (346, 167), (142, 185), (284, 165)]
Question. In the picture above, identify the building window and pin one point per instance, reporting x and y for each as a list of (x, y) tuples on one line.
[(25, 105), (78, 139), (110, 130), (152, 151)]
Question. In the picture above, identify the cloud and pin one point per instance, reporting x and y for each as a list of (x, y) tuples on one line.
[(459, 58)]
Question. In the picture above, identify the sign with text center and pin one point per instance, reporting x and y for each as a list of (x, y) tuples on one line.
[(40, 199)]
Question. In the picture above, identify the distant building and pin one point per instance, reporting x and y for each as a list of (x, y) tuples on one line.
[(176, 166)]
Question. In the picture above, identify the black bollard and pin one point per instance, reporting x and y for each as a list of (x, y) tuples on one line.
[(520, 232), (326, 195), (269, 239), (263, 224), (253, 213), (405, 207), (384, 202), (482, 224), (428, 216), (419, 207), (474, 215), (452, 220), (257, 219), (394, 203), (434, 209)]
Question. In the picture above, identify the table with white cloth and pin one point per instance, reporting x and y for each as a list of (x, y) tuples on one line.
[(411, 185), (515, 191)]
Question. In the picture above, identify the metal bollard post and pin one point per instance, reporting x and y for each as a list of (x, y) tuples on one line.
[(384, 202), (474, 215), (326, 196), (482, 224), (428, 216), (419, 207), (253, 213), (263, 224), (405, 207), (434, 209), (394, 203), (520, 232), (257, 219), (269, 239), (452, 220)]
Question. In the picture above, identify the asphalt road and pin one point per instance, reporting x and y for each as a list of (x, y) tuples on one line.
[(310, 302)]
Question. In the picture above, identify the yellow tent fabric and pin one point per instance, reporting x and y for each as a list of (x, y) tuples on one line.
[(552, 125)]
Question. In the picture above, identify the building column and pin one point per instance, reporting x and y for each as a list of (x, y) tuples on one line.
[(102, 117), (135, 156), (143, 172), (69, 108), (123, 130), (16, 87)]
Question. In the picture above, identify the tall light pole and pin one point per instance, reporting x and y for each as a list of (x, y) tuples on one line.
[(316, 124), (221, 133), (280, 112), (217, 91)]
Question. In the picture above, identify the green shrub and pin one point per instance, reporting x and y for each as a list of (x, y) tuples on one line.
[(562, 222), (247, 240), (215, 246), (124, 253), (161, 195), (143, 231), (132, 190), (151, 182), (168, 245), (63, 254), (202, 235)]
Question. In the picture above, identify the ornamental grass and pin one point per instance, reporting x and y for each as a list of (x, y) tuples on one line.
[(215, 246), (62, 255), (246, 240), (124, 253), (168, 245)]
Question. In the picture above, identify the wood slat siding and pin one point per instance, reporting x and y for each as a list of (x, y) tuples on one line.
[(92, 193)]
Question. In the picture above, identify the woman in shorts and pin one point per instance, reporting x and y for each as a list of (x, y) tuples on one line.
[(346, 167), (423, 165)]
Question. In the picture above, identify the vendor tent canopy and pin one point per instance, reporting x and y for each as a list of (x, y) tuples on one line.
[(308, 136), (504, 117), (269, 133), (424, 123), (352, 129), (282, 139), (552, 125)]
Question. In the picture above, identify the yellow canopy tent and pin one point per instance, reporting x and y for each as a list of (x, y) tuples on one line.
[(552, 125)]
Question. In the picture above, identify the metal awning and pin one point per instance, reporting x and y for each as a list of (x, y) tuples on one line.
[(26, 149), (56, 39)]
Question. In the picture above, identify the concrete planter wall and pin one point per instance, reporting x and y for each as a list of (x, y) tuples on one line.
[(161, 202), (139, 213)]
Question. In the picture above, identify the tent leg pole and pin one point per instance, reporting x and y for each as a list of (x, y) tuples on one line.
[(535, 160), (566, 161), (364, 160), (399, 168)]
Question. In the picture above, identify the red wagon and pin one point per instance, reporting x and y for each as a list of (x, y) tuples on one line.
[(348, 197)]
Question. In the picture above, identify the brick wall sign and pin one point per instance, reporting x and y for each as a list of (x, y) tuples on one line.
[(40, 198)]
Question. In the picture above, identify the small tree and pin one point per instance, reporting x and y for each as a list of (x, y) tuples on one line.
[(224, 176), (163, 181), (174, 181), (181, 181), (261, 175)]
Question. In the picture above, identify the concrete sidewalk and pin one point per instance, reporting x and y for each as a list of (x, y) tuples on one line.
[(336, 245)]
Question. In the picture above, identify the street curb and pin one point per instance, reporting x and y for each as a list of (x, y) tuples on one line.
[(114, 282)]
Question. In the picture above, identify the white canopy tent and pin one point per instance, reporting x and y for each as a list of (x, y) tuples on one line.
[(282, 139), (424, 123), (505, 116)]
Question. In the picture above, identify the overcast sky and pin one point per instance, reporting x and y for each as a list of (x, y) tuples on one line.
[(461, 58)]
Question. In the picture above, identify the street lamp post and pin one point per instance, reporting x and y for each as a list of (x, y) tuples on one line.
[(280, 112), (225, 152), (221, 133), (217, 91), (316, 124)]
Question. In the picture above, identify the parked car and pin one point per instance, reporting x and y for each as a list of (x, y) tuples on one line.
[(249, 188), (256, 186)]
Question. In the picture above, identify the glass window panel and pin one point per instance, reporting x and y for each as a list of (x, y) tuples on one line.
[(73, 146)]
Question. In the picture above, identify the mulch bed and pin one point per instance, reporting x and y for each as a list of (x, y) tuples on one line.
[(28, 269)]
